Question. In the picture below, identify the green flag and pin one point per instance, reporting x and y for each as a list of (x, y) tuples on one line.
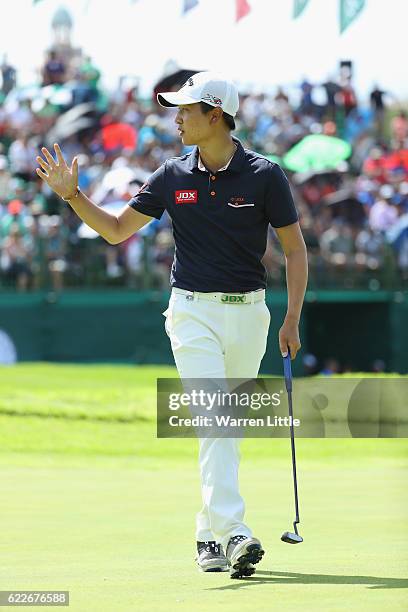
[(349, 10), (298, 7)]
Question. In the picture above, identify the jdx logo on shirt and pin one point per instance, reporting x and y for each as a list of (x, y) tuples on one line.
[(186, 196), (239, 202)]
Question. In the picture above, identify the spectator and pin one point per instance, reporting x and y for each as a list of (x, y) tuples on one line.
[(33, 240), (346, 97), (378, 366), (383, 214), (53, 70), (336, 243), (370, 249), (309, 362), (399, 130), (15, 259), (55, 252), (402, 260), (114, 268), (400, 198), (378, 107), (307, 106), (22, 155), (15, 215), (281, 105), (332, 89), (134, 261), (330, 366), (163, 253), (8, 75), (20, 117), (90, 72), (5, 178), (374, 167), (82, 91), (337, 250)]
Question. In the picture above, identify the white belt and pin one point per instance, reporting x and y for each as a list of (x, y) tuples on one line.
[(223, 298)]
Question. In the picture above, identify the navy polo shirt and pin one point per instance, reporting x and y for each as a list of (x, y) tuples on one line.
[(220, 221)]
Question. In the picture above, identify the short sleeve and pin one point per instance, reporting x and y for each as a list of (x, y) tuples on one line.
[(279, 205), (150, 199)]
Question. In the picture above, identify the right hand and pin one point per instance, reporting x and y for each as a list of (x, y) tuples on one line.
[(58, 176)]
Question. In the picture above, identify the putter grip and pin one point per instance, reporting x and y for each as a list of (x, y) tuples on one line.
[(287, 370)]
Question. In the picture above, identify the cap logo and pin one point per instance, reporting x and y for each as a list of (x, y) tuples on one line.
[(189, 82), (212, 99)]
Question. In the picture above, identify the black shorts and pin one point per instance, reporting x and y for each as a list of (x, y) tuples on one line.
[(17, 268)]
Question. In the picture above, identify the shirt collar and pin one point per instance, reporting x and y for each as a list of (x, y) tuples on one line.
[(201, 166), (235, 163)]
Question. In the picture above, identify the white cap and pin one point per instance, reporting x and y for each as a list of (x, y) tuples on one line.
[(206, 87), (386, 192)]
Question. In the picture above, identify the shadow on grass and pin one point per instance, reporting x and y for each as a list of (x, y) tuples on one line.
[(262, 577)]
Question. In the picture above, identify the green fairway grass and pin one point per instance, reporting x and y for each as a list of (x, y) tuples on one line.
[(93, 503)]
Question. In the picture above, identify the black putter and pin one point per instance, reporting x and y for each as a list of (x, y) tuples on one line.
[(291, 538)]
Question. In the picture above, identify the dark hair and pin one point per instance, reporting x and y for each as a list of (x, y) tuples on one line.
[(228, 119)]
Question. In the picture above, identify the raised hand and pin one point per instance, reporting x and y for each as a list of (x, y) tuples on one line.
[(57, 174)]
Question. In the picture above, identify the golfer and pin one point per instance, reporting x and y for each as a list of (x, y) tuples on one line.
[(221, 199)]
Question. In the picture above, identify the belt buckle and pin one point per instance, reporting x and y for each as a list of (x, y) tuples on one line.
[(226, 298)]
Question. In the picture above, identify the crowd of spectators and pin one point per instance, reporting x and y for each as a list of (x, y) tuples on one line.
[(352, 216)]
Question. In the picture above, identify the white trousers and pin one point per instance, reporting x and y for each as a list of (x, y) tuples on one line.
[(216, 340)]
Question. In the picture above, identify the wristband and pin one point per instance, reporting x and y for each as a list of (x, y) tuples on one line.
[(76, 194)]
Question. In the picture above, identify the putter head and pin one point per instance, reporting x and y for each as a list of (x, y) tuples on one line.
[(291, 538)]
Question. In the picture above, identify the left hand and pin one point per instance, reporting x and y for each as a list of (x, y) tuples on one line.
[(289, 337)]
